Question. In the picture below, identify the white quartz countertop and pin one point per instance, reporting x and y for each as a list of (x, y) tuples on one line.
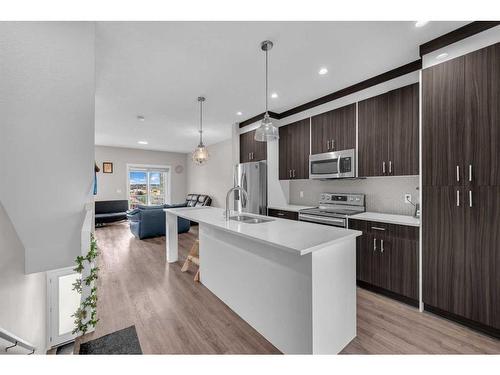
[(289, 207), (388, 218), (294, 236)]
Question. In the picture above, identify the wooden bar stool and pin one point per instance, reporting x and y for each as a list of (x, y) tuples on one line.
[(193, 257)]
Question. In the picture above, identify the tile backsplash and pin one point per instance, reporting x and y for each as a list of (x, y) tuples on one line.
[(383, 194)]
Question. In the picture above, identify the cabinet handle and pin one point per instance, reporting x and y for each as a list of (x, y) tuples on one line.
[(390, 167), (280, 214), (290, 173), (470, 198), (458, 173), (293, 175), (333, 144), (253, 156), (458, 198), (328, 145), (383, 167), (470, 172), (374, 244), (378, 228), (381, 246), (249, 156)]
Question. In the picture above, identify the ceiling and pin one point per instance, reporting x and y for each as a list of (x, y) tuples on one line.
[(158, 69)]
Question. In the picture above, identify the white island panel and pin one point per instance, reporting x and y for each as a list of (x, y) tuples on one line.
[(269, 288)]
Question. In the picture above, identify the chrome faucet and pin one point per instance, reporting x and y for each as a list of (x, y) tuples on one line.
[(227, 212)]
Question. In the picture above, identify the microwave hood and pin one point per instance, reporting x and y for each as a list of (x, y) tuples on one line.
[(333, 165)]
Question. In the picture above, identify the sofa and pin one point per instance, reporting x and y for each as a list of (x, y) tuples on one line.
[(110, 211), (198, 200), (149, 221)]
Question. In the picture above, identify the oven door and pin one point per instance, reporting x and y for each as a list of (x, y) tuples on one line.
[(317, 219), (323, 166)]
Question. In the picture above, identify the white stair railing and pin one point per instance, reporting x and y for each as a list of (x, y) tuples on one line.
[(16, 341)]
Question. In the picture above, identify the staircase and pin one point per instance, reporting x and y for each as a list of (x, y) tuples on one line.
[(15, 343)]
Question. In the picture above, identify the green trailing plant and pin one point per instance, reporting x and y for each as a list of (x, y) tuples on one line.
[(86, 314)]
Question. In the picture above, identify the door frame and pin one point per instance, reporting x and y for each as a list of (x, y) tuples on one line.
[(53, 337)]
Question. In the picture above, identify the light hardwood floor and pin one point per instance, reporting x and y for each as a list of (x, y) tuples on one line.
[(174, 315)]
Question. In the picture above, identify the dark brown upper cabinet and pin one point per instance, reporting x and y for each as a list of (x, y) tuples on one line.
[(403, 125), (443, 124), (388, 133), (460, 117), (334, 130), (250, 149), (373, 136), (294, 150), (482, 116)]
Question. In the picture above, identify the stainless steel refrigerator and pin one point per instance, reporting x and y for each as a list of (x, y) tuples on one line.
[(253, 178)]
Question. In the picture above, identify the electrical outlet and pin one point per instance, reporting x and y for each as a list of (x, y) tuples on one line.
[(302, 194), (408, 198)]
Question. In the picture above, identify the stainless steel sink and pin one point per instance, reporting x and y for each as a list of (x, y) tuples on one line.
[(249, 219)]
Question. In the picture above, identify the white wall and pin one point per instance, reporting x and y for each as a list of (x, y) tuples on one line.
[(215, 177), (113, 186), (47, 88), (23, 306)]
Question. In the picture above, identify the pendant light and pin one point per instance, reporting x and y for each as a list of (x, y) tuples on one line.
[(200, 155), (266, 132)]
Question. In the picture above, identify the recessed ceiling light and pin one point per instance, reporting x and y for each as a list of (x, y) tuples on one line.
[(323, 71), (143, 142), (421, 23), (274, 95), (140, 118), (239, 113), (441, 56)]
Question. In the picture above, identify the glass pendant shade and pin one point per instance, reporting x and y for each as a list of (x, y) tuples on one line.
[(266, 132), (200, 155)]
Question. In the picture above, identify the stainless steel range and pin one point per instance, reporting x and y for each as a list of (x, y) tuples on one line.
[(334, 209)]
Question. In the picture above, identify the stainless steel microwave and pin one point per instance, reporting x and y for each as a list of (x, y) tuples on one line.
[(337, 164)]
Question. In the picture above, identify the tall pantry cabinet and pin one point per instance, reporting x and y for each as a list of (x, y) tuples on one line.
[(461, 188)]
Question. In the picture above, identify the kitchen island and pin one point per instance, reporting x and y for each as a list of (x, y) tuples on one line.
[(294, 282)]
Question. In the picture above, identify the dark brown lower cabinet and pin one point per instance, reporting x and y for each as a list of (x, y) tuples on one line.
[(404, 267), (443, 248), (291, 215), (482, 255), (461, 253), (387, 258)]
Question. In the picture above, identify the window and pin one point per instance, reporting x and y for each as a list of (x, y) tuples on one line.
[(147, 185)]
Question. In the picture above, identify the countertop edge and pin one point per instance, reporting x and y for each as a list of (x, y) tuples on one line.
[(292, 208), (376, 217), (354, 234)]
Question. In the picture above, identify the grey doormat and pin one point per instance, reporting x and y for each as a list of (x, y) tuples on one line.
[(124, 341)]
